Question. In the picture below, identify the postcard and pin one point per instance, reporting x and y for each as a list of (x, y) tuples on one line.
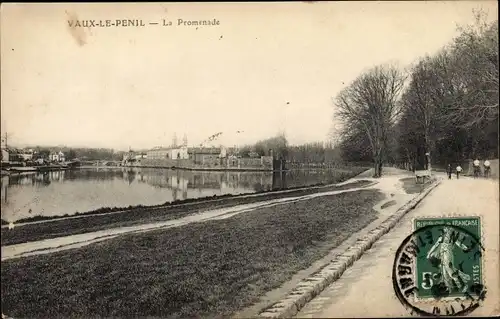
[(305, 159)]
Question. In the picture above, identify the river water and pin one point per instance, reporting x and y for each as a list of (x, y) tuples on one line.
[(67, 192)]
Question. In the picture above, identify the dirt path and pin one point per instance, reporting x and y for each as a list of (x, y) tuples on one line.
[(366, 289)]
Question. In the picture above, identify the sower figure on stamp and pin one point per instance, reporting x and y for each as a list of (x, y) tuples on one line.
[(459, 170), (443, 251), (449, 170)]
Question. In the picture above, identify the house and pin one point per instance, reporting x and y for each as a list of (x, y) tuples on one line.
[(158, 153), (5, 155), (168, 153), (26, 155), (179, 153), (206, 155), (223, 152), (57, 157), (11, 155), (140, 156)]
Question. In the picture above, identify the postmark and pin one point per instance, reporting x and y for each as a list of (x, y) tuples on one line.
[(438, 269)]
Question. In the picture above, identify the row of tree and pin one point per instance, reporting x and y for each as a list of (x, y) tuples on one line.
[(90, 154), (278, 146), (275, 146), (443, 108)]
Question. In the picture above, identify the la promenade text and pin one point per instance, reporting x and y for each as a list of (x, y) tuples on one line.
[(140, 23)]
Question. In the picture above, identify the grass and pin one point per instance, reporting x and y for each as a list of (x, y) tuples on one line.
[(65, 227), (411, 187), (210, 269)]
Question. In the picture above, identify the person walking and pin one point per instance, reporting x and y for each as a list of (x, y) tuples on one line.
[(459, 170), (449, 170), (487, 168), (477, 168)]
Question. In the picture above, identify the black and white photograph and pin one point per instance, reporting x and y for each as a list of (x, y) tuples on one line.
[(294, 159)]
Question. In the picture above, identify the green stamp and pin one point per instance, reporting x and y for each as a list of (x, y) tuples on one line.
[(449, 262), (438, 268)]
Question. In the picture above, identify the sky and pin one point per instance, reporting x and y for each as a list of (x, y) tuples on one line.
[(266, 68)]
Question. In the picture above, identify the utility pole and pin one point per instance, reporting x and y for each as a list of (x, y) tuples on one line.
[(238, 142)]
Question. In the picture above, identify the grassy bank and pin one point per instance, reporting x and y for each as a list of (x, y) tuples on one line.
[(64, 227), (200, 270)]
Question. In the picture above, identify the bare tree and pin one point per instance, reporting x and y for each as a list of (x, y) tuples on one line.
[(371, 102), (475, 53), (425, 101), (451, 102)]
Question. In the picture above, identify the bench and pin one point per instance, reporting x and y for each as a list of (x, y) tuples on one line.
[(421, 175)]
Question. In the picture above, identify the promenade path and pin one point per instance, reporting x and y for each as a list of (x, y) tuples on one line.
[(365, 289)]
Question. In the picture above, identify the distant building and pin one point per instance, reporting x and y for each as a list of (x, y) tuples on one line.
[(5, 155), (57, 157), (179, 153), (158, 153), (168, 153), (201, 155), (11, 155), (26, 155), (132, 158), (223, 152), (140, 156)]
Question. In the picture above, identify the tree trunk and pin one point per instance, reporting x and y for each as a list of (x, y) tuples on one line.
[(375, 169), (377, 158), (428, 147)]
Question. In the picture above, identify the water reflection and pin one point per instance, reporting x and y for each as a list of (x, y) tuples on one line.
[(66, 192)]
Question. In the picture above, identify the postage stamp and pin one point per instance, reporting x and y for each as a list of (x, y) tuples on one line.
[(447, 263), (438, 269)]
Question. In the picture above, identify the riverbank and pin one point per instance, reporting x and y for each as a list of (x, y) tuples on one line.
[(46, 227), (24, 169), (209, 169), (203, 269)]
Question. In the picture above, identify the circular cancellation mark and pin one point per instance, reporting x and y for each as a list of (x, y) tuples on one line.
[(437, 270)]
